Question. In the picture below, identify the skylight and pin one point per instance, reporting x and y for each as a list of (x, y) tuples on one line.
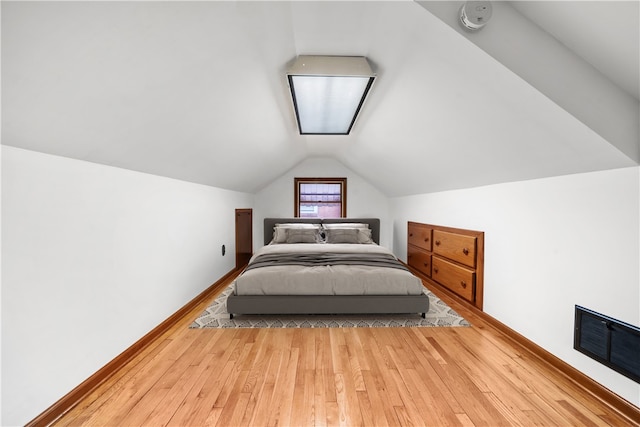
[(328, 92)]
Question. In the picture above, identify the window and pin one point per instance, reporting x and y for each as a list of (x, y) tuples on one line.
[(320, 197)]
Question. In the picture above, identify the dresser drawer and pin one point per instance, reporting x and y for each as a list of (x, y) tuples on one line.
[(419, 259), (458, 279), (458, 247), (419, 236)]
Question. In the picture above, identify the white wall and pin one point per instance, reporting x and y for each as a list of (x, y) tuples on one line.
[(1, 380), (94, 257), (363, 200), (549, 244)]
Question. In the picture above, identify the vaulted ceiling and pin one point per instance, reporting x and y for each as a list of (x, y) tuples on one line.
[(197, 90)]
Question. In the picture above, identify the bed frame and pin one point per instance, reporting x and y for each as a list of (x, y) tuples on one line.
[(325, 304)]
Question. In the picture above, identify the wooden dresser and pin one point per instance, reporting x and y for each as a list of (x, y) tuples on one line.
[(452, 258)]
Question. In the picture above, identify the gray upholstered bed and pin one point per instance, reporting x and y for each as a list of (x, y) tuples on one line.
[(372, 288)]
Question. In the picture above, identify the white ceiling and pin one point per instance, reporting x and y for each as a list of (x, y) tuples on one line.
[(604, 33), (197, 90)]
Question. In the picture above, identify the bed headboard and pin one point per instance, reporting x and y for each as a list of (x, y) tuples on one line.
[(269, 223)]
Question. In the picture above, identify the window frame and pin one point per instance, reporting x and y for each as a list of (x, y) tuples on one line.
[(296, 192)]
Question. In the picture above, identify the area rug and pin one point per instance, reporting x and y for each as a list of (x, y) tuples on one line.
[(216, 316)]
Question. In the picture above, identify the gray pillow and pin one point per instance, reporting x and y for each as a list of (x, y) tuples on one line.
[(342, 235), (302, 235), (280, 230)]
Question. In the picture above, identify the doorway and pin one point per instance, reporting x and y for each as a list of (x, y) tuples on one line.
[(244, 236)]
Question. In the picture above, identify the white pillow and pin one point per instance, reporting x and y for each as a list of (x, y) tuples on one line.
[(299, 225), (365, 235), (345, 225)]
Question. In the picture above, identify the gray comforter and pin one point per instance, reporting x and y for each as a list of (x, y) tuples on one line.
[(326, 269)]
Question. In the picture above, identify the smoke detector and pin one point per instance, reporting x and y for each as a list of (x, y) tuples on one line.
[(475, 14)]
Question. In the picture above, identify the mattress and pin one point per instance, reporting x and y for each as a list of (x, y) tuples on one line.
[(329, 279)]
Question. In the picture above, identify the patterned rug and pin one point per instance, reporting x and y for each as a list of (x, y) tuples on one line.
[(216, 316)]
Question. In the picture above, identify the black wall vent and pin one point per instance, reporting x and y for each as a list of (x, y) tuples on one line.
[(609, 341)]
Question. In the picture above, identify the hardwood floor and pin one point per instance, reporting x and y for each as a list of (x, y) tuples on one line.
[(364, 376)]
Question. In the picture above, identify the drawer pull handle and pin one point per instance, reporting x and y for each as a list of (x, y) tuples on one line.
[(464, 284), (426, 239), (437, 242), (426, 264), (410, 234), (465, 251), (435, 269)]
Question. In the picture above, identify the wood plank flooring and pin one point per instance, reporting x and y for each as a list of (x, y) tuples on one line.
[(343, 377)]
